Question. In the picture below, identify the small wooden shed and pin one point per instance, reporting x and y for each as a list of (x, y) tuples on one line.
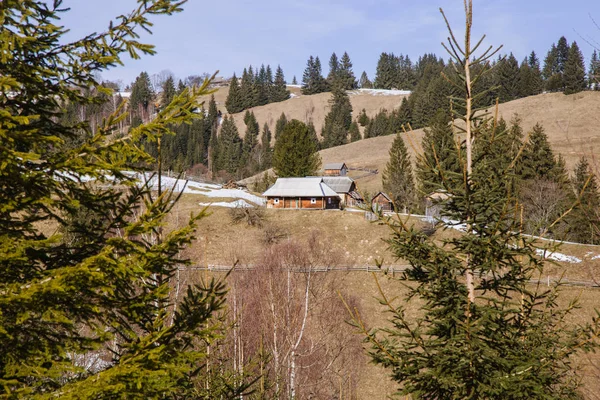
[(335, 169), (382, 202)]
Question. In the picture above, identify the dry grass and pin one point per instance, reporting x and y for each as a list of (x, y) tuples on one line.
[(569, 121)]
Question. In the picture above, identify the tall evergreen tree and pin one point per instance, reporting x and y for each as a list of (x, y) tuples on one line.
[(141, 95), (267, 151), (536, 83), (354, 132), (338, 120), (574, 72), (168, 91), (248, 92), (538, 160), (312, 79), (481, 330), (507, 78), (334, 66), (363, 118), (295, 153), (345, 73), (594, 72), (384, 74), (180, 87), (439, 164), (262, 87), (279, 92), (398, 181), (364, 82), (230, 147), (584, 219), (552, 73), (233, 103), (294, 80), (250, 143), (280, 125), (97, 284)]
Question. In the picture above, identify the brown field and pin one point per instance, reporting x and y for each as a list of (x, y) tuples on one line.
[(569, 121), (356, 241)]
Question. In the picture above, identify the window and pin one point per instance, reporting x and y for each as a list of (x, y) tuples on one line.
[(275, 201), (313, 201)]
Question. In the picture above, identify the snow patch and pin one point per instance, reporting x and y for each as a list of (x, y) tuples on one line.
[(295, 86), (292, 95), (233, 204), (558, 257), (382, 92)]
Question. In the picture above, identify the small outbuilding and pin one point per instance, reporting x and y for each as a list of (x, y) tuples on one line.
[(335, 169), (434, 203), (382, 202), (302, 193), (345, 187)]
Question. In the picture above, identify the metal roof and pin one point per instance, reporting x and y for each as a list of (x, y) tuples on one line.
[(300, 187), (341, 184), (334, 166)]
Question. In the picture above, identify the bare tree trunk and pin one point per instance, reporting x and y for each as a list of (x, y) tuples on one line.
[(299, 339)]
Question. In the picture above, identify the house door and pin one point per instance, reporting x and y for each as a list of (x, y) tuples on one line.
[(297, 203)]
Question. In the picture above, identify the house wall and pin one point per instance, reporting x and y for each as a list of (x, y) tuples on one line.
[(383, 203), (336, 172), (296, 203)]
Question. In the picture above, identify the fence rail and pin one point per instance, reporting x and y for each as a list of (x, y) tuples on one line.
[(392, 269)]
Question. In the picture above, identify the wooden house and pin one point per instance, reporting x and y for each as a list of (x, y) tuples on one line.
[(302, 193), (382, 202), (335, 169), (345, 187)]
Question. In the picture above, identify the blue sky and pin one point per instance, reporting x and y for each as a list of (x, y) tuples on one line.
[(228, 35)]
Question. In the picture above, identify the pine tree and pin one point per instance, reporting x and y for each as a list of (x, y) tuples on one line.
[(180, 87), (280, 125), (379, 125), (233, 103), (562, 53), (551, 72), (345, 73), (537, 160), (168, 91), (312, 79), (364, 82), (397, 177), (279, 92), (439, 164), (294, 80), (248, 92), (480, 330), (363, 118), (334, 66), (536, 82), (262, 87), (141, 95), (574, 73), (320, 82), (594, 72), (95, 282), (354, 132), (267, 151), (507, 75), (384, 72), (295, 153), (584, 220), (338, 120), (230, 147), (312, 133), (250, 143)]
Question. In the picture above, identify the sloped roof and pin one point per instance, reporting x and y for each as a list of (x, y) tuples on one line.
[(300, 187), (385, 196), (334, 166), (341, 184)]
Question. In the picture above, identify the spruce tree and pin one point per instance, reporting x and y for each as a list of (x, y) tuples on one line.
[(551, 72), (180, 87), (384, 72), (295, 153), (233, 103), (312, 132), (574, 72), (480, 330), (363, 118), (262, 87), (345, 73), (279, 92), (439, 164), (397, 177), (594, 72), (334, 66), (141, 95), (537, 82), (168, 91), (338, 120), (294, 80), (267, 151), (354, 132), (319, 82), (250, 143), (88, 264), (248, 92), (537, 160), (584, 220), (507, 75), (230, 147), (364, 82), (280, 125)]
